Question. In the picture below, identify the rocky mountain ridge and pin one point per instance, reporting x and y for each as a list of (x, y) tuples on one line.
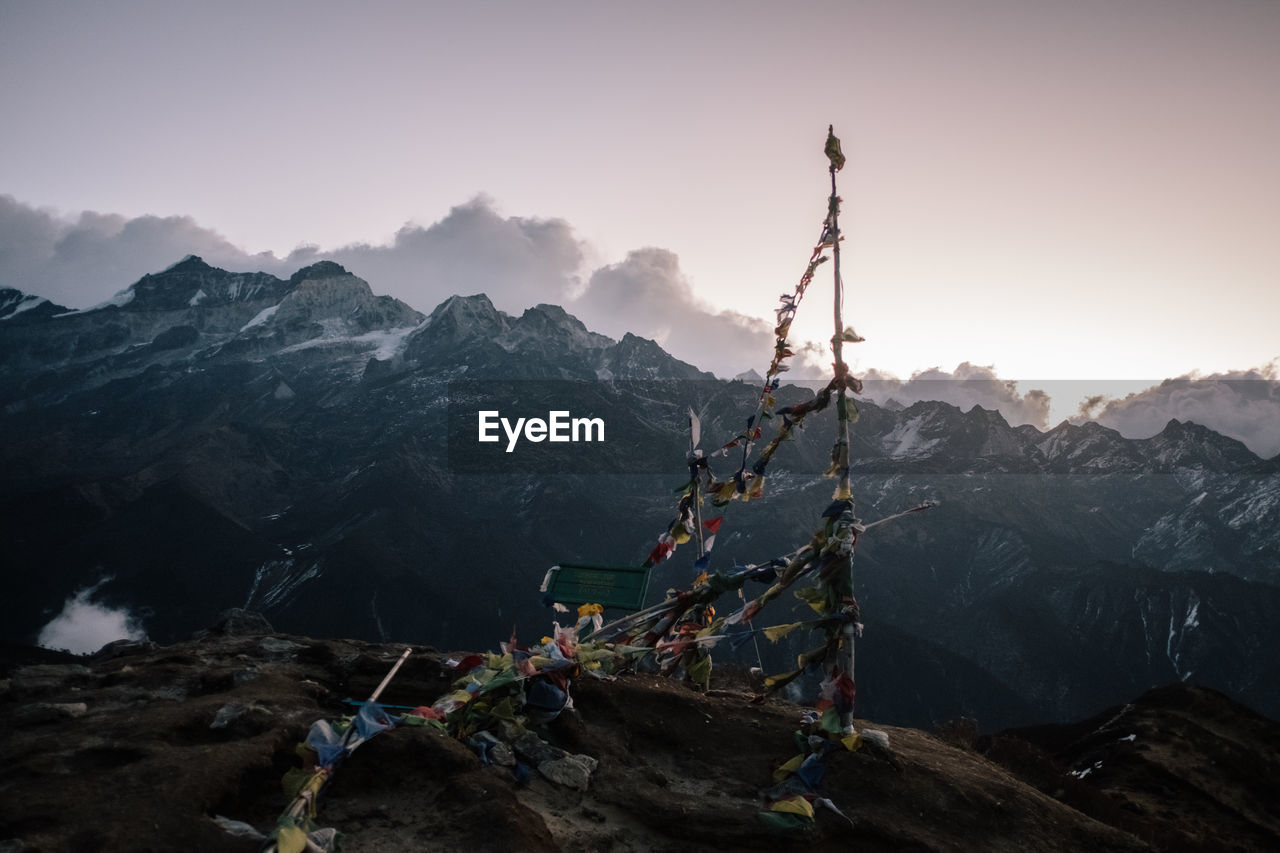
[(220, 439)]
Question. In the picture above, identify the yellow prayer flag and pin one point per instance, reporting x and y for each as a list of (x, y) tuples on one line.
[(794, 805), (787, 769), (777, 632), (779, 680), (291, 839)]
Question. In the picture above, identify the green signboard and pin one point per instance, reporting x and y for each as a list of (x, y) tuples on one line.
[(612, 586)]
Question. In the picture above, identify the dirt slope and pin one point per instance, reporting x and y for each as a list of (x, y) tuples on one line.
[(139, 748)]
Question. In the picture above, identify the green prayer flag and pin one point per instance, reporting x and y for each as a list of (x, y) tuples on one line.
[(783, 823), (814, 597), (831, 721)]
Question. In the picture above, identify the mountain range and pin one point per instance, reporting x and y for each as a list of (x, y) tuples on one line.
[(211, 439)]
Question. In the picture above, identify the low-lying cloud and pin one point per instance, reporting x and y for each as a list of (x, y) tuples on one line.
[(968, 386), (647, 294), (85, 260), (517, 261), (1244, 404), (84, 626)]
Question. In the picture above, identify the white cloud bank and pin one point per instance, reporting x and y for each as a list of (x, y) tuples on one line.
[(647, 291), (970, 385), (1244, 404), (517, 261), (84, 626), (84, 260)]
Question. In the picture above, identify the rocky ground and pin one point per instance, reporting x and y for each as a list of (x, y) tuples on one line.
[(184, 747)]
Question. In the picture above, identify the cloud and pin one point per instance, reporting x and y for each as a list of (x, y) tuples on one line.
[(84, 627), (517, 261), (648, 295), (85, 260), (1244, 404), (1089, 406), (82, 261), (970, 385)]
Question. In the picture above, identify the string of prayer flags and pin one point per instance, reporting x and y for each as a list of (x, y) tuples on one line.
[(749, 485)]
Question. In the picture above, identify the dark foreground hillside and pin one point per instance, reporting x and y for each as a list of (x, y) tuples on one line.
[(145, 748)]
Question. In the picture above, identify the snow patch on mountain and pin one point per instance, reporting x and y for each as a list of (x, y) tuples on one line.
[(384, 343), (120, 300), (276, 581), (260, 318), (389, 342), (905, 439), (1193, 614), (1258, 507), (12, 306)]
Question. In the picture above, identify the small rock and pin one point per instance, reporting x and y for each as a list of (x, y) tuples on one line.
[(535, 750), (49, 712), (276, 646), (567, 771), (226, 714), (502, 755), (242, 720), (877, 737), (238, 828)]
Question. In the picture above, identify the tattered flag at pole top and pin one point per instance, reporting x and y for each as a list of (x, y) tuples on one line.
[(833, 149)]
